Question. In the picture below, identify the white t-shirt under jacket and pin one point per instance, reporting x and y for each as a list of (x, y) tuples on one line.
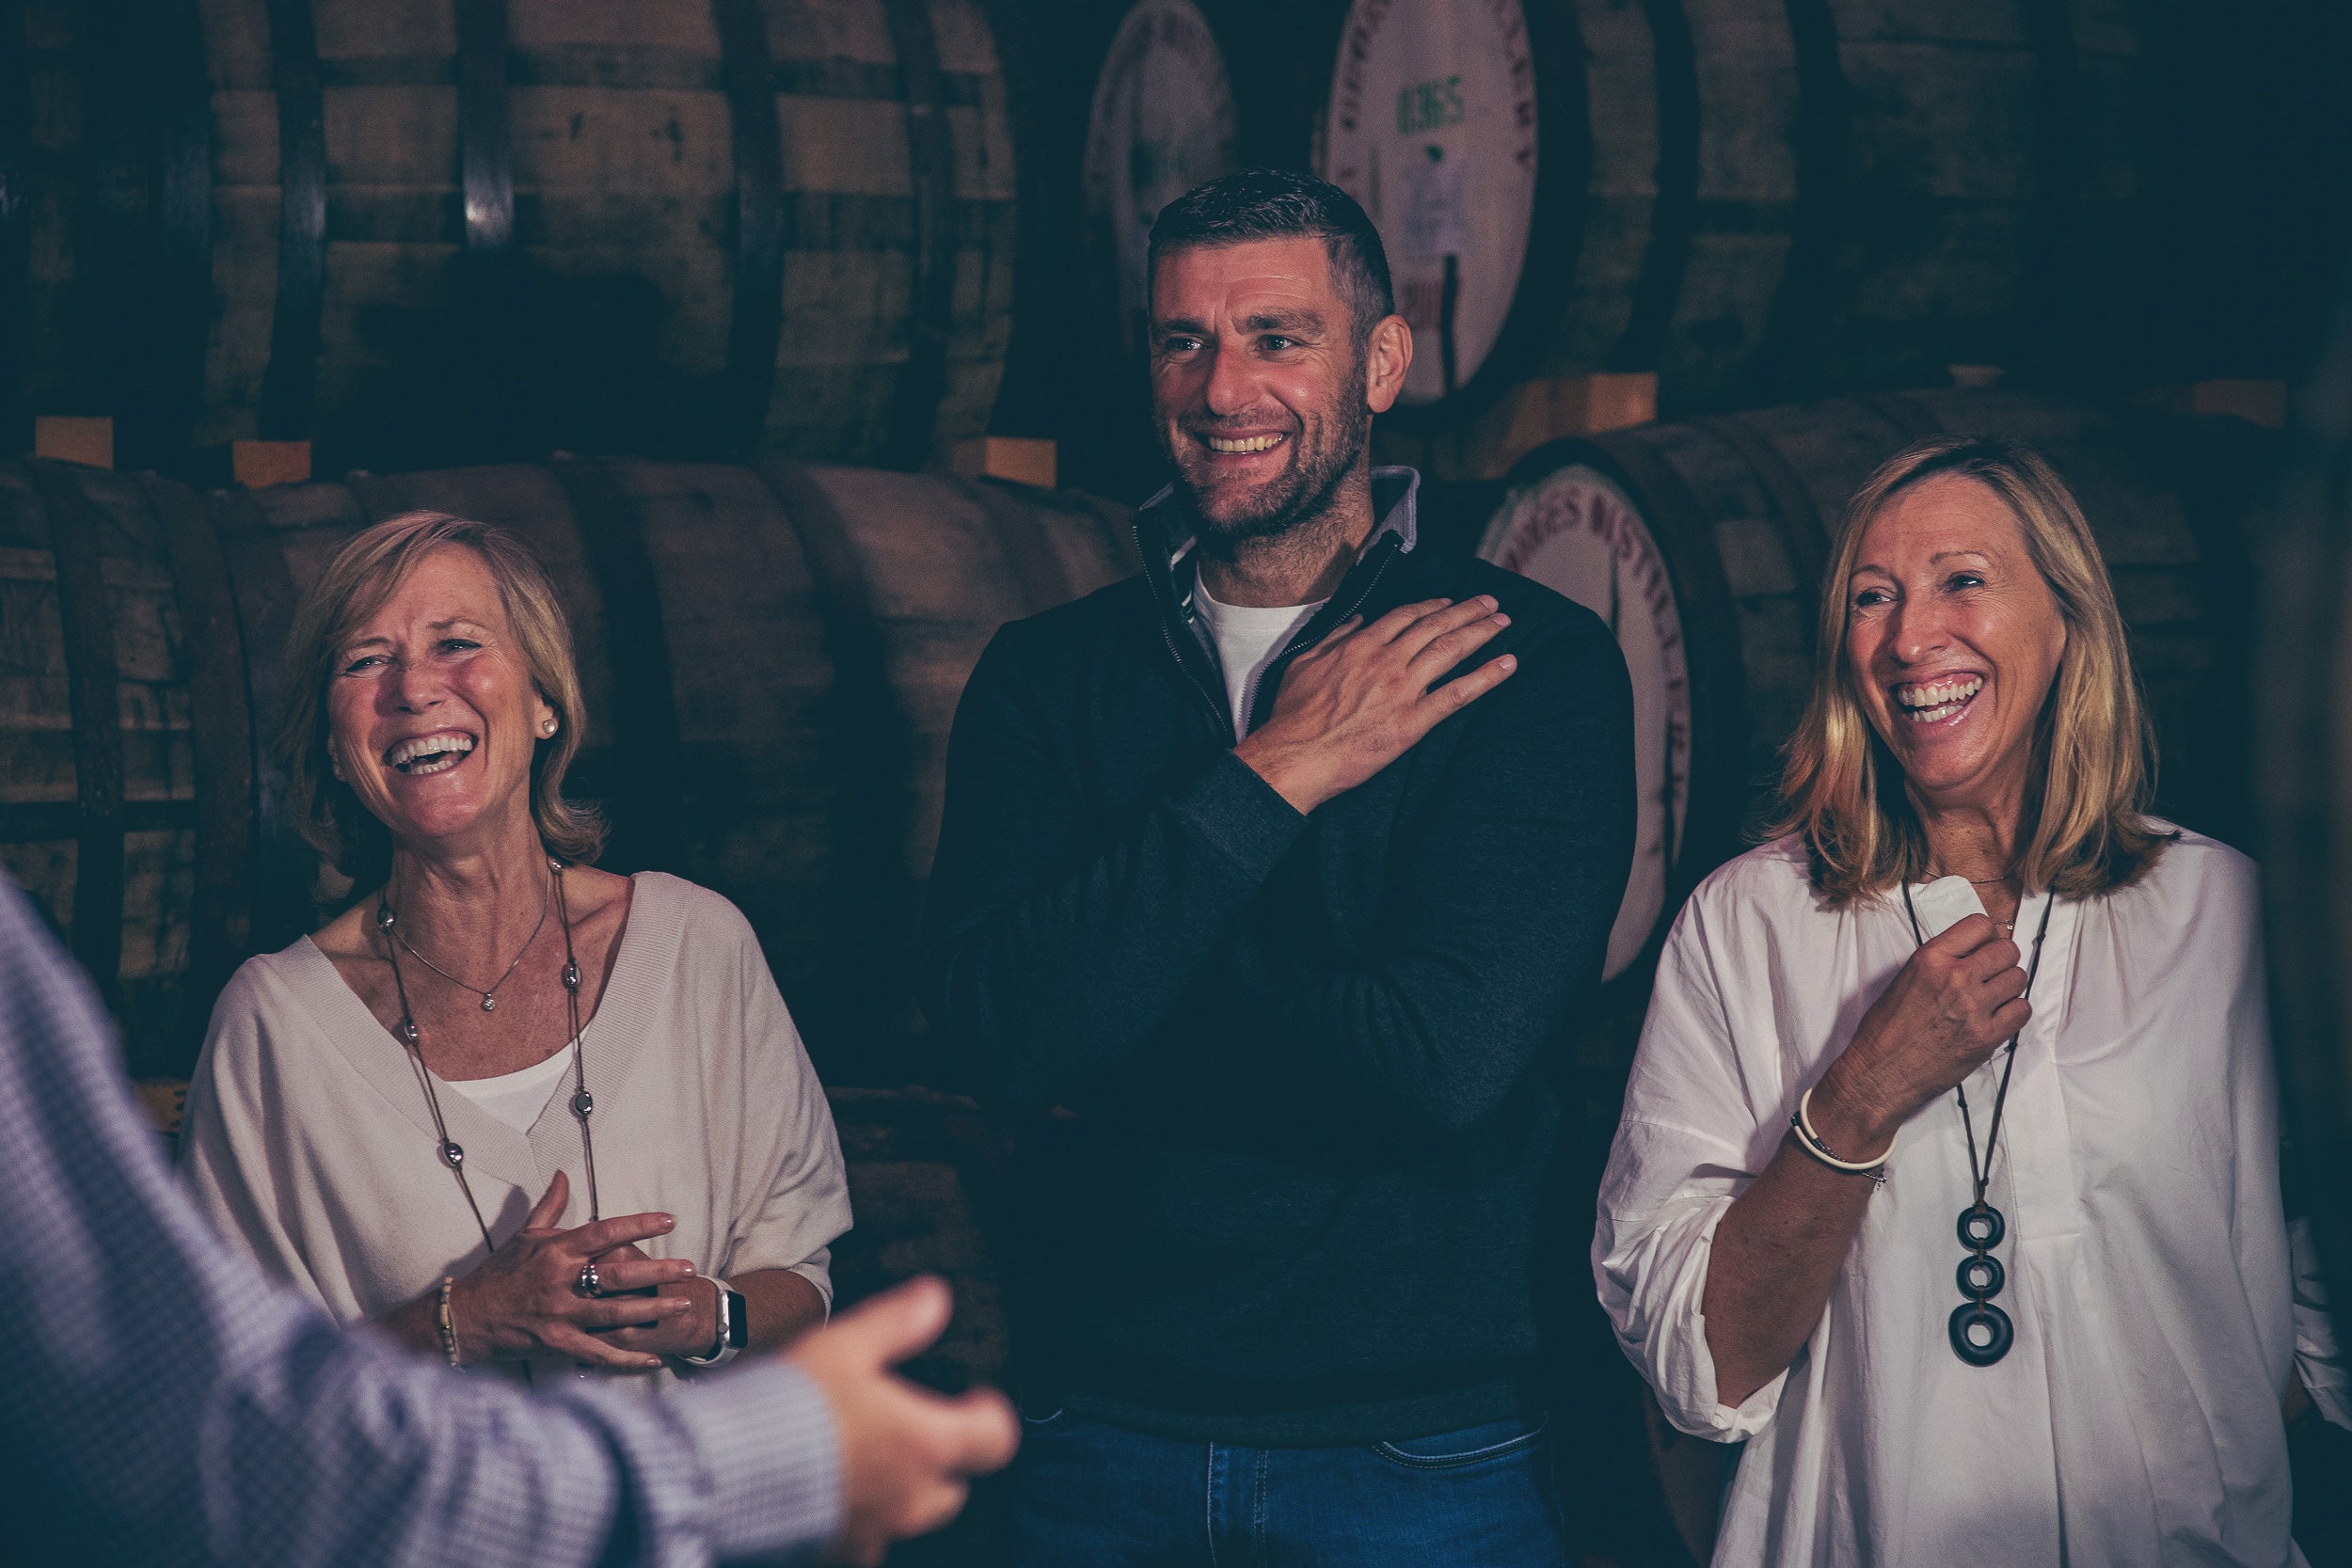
[(307, 1139), (1248, 642), (2135, 1421)]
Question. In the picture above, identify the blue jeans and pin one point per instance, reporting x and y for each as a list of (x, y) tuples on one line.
[(1090, 1495)]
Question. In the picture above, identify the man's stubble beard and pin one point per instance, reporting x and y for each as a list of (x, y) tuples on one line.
[(1303, 498)]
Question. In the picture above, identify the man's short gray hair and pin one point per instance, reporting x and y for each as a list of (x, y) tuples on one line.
[(1276, 204)]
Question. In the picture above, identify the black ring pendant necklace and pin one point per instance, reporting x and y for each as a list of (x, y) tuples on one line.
[(1981, 1332)]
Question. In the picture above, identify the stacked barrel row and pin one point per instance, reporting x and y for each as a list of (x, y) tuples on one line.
[(424, 231), (1751, 201), (419, 231)]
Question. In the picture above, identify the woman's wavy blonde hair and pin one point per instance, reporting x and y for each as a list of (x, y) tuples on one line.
[(364, 574), (2086, 826)]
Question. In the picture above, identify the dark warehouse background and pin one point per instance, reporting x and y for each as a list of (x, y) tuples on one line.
[(800, 337)]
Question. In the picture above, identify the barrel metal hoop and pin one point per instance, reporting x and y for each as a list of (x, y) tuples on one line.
[(1802, 304), (1787, 505), (221, 915), (756, 324), (16, 228), (1022, 530), (262, 588), (1710, 632), (2058, 174), (142, 180), (486, 137), (922, 384), (92, 697), (173, 366), (1675, 211), (613, 546), (290, 384), (870, 900)]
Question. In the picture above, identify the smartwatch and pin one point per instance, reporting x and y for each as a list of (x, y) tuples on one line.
[(735, 1329)]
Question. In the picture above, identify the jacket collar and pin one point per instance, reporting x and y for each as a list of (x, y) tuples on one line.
[(1166, 533), (1166, 536)]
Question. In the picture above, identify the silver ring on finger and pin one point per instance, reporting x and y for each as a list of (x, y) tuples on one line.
[(587, 1284)]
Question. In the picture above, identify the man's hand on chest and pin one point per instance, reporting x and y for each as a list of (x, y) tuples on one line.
[(1366, 694)]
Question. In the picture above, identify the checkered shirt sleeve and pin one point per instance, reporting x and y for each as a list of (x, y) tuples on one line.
[(166, 1404)]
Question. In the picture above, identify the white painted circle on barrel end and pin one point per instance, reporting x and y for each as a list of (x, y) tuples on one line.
[(1162, 123), (1579, 535), (1432, 127)]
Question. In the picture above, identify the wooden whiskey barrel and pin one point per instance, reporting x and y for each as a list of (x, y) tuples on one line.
[(1445, 120), (1162, 122), (1704, 543), (1756, 203), (431, 230), (771, 657)]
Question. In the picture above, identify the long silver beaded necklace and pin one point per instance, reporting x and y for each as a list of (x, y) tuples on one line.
[(584, 1104), (1981, 1276)]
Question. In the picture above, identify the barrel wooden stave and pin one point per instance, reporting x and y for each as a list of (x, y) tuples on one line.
[(1745, 187), (604, 320), (1617, 231), (50, 817)]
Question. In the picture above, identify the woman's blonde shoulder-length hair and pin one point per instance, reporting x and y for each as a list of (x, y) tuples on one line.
[(2086, 828), (364, 574)]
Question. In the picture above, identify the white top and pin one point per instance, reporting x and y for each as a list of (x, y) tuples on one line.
[(518, 1097), (308, 1142), (1247, 639), (2150, 1274)]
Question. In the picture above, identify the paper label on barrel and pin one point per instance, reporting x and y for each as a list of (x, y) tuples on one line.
[(1437, 216), (1577, 534), (1432, 127), (1162, 123)]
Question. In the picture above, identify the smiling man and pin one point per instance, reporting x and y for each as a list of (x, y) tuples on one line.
[(1267, 882)]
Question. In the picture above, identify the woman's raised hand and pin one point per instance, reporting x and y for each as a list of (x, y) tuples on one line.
[(525, 1296), (1947, 1010)]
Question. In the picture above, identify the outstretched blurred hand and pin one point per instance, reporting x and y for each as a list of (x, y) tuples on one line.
[(907, 1454)]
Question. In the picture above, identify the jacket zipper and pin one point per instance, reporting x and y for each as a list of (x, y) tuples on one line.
[(1272, 679), (1207, 700), (1207, 697)]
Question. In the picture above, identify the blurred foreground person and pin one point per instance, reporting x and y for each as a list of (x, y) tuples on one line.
[(1949, 1173), (167, 1405), (1276, 871), (468, 1107)]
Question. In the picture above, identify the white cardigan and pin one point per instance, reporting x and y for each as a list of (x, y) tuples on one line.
[(2158, 1313), (308, 1141)]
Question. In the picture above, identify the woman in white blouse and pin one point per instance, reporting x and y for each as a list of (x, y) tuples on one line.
[(506, 1106), (2083, 1357)]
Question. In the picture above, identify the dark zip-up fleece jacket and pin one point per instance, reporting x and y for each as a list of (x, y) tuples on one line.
[(1294, 1119)]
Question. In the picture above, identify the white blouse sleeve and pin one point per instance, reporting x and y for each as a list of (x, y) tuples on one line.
[(230, 1160), (1679, 1160), (2266, 1240), (2319, 1356), (799, 1192)]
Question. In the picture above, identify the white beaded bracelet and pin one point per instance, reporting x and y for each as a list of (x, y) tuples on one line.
[(1803, 1122)]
